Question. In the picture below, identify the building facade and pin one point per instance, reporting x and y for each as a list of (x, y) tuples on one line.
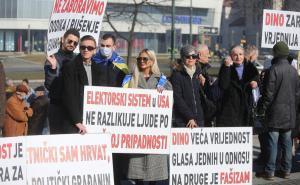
[(24, 23)]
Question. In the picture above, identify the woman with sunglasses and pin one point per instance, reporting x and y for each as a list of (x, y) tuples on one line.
[(186, 80), (146, 75), (17, 114), (76, 74)]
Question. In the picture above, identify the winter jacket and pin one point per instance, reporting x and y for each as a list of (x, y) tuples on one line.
[(235, 109), (40, 110), (16, 117), (280, 95), (187, 100), (53, 78), (111, 72)]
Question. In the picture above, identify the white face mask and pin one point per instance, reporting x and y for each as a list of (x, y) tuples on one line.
[(107, 52)]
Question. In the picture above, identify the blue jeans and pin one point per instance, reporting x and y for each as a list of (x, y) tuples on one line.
[(283, 138)]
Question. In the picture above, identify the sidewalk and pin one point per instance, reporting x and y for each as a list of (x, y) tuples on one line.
[(295, 175)]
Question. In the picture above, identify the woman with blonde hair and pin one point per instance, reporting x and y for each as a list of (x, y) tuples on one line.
[(146, 75)]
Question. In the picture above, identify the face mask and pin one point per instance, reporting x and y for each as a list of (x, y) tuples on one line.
[(107, 52)]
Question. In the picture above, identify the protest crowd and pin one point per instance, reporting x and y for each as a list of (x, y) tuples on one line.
[(239, 97)]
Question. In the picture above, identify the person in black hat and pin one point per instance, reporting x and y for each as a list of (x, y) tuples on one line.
[(40, 109), (278, 107)]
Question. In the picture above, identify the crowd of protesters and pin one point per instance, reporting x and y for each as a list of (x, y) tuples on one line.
[(240, 96)]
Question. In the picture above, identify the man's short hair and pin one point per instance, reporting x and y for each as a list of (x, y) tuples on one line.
[(25, 80), (108, 35), (72, 31), (88, 37)]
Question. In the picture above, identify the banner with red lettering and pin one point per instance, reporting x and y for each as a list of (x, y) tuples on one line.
[(211, 156), (138, 119), (69, 159), (83, 15), (13, 161), (56, 159), (281, 26)]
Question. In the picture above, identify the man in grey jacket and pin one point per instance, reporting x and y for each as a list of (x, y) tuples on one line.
[(278, 103), (53, 78)]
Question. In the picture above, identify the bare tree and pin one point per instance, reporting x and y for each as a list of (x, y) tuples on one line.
[(130, 14)]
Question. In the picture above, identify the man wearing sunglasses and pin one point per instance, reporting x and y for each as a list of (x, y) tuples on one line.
[(77, 74), (109, 65), (53, 80)]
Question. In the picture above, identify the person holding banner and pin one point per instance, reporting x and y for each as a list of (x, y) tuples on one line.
[(186, 80), (110, 67), (77, 74), (146, 75), (237, 78), (17, 114), (53, 81)]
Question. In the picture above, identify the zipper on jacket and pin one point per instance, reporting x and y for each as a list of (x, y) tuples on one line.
[(194, 96)]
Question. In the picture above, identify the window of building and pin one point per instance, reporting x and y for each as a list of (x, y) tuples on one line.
[(1, 40), (9, 41)]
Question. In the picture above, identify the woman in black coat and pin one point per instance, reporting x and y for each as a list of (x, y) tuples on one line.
[(237, 78), (186, 79)]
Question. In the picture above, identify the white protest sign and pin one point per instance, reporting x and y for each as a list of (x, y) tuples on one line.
[(211, 156), (281, 26), (138, 119), (86, 16), (69, 159), (13, 161)]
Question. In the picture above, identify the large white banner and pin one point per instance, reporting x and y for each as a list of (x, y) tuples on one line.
[(138, 119), (12, 161), (281, 26), (211, 156), (85, 16), (70, 159)]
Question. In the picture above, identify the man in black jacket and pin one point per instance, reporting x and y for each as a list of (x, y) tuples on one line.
[(77, 74), (53, 82), (110, 67), (278, 103), (39, 107)]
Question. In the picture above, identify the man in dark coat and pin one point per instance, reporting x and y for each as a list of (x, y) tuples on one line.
[(77, 74), (110, 67), (278, 103), (39, 106), (2, 96), (237, 78), (53, 78)]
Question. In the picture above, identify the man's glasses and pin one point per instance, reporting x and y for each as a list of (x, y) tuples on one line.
[(89, 48), (75, 43), (105, 46), (140, 59), (194, 56)]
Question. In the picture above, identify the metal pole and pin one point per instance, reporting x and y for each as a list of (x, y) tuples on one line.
[(191, 21), (173, 32)]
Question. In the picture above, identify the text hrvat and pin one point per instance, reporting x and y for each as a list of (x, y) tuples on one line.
[(72, 153)]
